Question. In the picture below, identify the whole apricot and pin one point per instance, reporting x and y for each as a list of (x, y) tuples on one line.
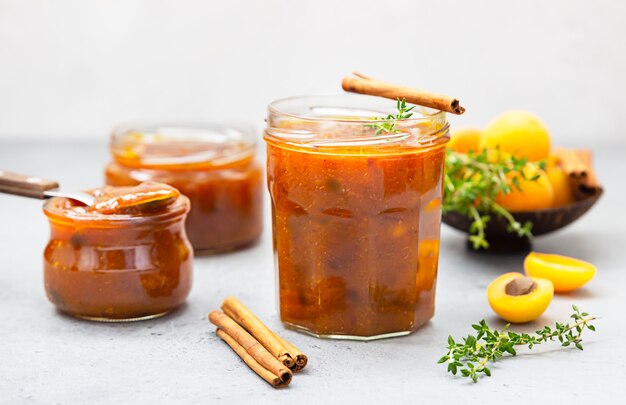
[(563, 193), (465, 139), (518, 299), (566, 273), (520, 133), (531, 195)]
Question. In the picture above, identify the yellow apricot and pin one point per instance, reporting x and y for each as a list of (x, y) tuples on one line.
[(566, 273), (532, 195), (497, 156), (520, 133), (519, 308), (563, 193), (464, 139)]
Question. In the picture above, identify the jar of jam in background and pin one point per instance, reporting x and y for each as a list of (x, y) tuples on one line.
[(118, 262), (214, 166), (356, 214)]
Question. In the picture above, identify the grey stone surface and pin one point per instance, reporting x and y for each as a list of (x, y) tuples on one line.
[(48, 358)]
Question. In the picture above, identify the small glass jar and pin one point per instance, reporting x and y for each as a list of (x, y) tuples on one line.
[(118, 266), (356, 206), (214, 166)]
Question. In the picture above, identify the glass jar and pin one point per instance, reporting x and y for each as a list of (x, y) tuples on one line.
[(214, 166), (116, 265), (356, 214)]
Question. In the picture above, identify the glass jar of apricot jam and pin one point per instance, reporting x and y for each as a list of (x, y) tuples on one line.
[(125, 258), (214, 166), (356, 205)]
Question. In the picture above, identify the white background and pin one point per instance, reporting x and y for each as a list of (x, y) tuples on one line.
[(73, 69)]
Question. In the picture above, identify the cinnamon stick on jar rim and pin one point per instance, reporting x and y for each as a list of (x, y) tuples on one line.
[(362, 84), (250, 350), (244, 317)]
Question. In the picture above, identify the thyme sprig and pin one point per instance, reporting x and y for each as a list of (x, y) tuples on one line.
[(472, 182), (389, 125), (470, 357)]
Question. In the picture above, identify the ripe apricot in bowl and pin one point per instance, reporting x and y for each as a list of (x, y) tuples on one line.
[(517, 298), (565, 273), (465, 139), (520, 133), (531, 195), (563, 193)]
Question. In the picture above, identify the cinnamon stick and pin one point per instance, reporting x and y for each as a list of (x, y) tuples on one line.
[(591, 179), (243, 341), (265, 374), (577, 164), (363, 84), (301, 359), (244, 317)]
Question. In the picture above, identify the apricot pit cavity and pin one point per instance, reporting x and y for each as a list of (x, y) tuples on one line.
[(520, 286)]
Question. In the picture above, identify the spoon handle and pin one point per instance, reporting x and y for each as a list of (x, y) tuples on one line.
[(26, 186)]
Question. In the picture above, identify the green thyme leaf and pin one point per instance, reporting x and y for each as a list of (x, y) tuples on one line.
[(470, 358), (473, 180)]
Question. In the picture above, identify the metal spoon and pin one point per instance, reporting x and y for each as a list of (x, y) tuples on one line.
[(37, 187)]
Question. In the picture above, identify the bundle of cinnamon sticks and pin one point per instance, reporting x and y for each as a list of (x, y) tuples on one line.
[(266, 353), (577, 164)]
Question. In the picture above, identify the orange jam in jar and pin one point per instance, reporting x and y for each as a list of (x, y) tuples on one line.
[(126, 257), (356, 214), (213, 166)]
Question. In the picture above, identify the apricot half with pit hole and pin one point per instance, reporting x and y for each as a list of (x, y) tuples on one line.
[(517, 298), (566, 273)]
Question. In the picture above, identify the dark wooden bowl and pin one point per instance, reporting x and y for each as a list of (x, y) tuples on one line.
[(544, 221)]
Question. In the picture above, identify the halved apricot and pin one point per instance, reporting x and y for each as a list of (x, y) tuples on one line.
[(566, 273), (517, 299)]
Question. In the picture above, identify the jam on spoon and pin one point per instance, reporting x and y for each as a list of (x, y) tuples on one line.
[(146, 197)]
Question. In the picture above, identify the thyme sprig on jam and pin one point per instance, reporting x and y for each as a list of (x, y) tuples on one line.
[(470, 357), (473, 180), (389, 125)]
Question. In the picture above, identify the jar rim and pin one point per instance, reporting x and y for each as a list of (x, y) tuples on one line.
[(177, 209), (350, 122), (420, 113), (163, 144)]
